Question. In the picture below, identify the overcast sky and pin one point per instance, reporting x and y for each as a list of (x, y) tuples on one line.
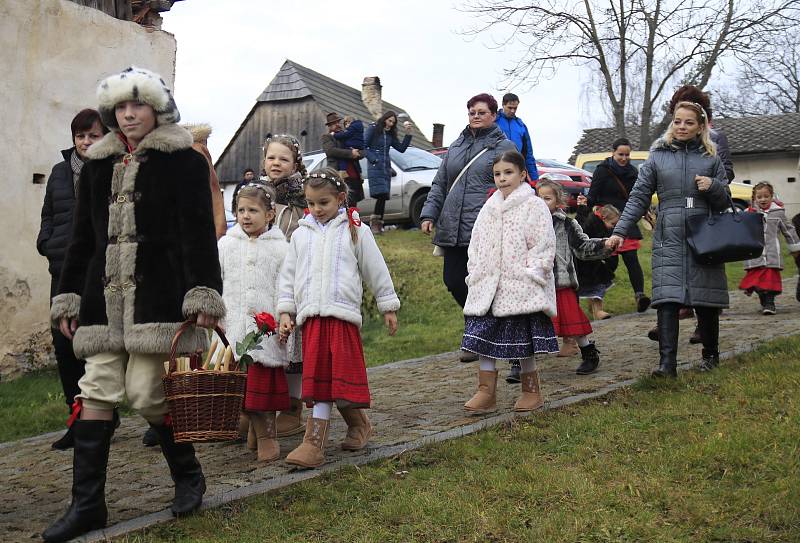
[(228, 52)]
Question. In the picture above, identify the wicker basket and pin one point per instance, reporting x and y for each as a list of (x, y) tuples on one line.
[(204, 405)]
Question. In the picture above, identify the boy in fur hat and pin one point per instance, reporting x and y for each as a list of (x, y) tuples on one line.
[(143, 258)]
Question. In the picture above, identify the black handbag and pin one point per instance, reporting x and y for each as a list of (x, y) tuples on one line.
[(730, 236)]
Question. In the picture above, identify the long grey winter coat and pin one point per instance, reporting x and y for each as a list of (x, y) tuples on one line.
[(775, 221), (670, 172), (572, 243), (454, 212)]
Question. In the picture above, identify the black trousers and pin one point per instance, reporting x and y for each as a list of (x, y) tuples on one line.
[(635, 273), (707, 323), (70, 368), (455, 273), (380, 204)]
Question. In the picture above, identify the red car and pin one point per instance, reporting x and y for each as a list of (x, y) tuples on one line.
[(574, 180)]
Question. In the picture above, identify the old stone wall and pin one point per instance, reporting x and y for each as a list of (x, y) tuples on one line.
[(52, 55)]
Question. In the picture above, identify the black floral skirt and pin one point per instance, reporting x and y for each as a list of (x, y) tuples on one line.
[(508, 338)]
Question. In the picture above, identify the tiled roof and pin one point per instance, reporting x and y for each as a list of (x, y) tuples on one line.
[(746, 135), (294, 81)]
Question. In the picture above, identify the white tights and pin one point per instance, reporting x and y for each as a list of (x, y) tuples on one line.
[(527, 365), (322, 410)]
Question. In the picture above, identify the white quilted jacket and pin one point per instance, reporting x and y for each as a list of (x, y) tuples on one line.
[(511, 256), (250, 270)]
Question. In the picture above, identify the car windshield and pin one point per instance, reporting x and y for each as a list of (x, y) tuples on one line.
[(550, 163), (415, 159)]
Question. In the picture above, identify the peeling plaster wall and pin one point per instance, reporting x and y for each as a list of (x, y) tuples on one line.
[(52, 55)]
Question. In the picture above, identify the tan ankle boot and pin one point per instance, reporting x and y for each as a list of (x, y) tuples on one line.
[(569, 347), (531, 395), (597, 310), (311, 452), (291, 422), (359, 429), (485, 400), (263, 424)]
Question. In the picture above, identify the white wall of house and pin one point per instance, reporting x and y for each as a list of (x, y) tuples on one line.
[(53, 53), (778, 169)]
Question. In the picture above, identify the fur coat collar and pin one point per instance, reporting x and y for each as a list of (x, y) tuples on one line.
[(167, 138)]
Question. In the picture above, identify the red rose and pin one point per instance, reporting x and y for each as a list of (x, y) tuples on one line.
[(265, 322)]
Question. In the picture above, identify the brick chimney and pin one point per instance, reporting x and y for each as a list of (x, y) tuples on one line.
[(371, 96), (438, 135)]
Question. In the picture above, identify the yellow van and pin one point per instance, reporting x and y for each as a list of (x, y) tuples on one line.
[(740, 193)]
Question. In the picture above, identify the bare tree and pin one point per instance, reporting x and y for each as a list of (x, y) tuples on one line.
[(768, 83), (640, 49)]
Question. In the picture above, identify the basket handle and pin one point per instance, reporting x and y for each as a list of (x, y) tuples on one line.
[(173, 350)]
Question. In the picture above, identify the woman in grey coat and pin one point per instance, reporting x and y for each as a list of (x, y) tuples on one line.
[(689, 178), (453, 208)]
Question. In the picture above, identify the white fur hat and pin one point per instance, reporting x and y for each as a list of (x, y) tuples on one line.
[(136, 84)]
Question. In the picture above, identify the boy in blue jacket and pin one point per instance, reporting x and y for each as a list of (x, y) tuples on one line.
[(515, 130)]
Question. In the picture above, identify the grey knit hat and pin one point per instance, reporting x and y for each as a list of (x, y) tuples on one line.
[(136, 84)]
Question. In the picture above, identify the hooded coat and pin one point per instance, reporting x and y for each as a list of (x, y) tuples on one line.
[(143, 255), (775, 221), (670, 172), (453, 209), (379, 167)]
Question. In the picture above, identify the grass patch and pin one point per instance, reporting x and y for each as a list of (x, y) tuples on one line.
[(31, 405), (709, 457)]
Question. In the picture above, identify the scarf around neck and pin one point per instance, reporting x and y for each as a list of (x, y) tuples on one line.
[(621, 171), (76, 164)]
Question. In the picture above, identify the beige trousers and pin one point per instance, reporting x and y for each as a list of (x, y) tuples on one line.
[(110, 377)]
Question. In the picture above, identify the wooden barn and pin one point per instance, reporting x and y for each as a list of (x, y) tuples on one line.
[(296, 102)]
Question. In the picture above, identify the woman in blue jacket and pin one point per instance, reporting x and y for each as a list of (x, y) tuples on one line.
[(379, 172)]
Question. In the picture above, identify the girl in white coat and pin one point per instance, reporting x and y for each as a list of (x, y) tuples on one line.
[(330, 254), (511, 285), (251, 255)]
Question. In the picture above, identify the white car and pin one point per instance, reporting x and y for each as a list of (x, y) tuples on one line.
[(412, 175)]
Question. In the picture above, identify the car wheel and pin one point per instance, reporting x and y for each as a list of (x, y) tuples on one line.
[(417, 203), (739, 205)]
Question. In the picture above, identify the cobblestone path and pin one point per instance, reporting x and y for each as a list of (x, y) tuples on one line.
[(415, 402)]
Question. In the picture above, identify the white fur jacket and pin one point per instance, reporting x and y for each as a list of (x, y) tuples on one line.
[(511, 256), (322, 274), (250, 269)]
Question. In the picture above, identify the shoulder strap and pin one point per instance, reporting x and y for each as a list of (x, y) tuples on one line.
[(470, 163), (619, 182)]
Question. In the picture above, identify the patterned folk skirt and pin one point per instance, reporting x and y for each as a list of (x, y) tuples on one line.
[(267, 389), (509, 338), (570, 320), (333, 363)]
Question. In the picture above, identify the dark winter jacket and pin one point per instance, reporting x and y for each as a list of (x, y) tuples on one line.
[(573, 243), (379, 169), (670, 172), (598, 271), (56, 226), (516, 131), (335, 151), (605, 189), (352, 137), (454, 211), (143, 255)]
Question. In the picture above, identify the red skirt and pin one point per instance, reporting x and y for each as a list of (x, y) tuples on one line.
[(333, 363), (570, 320), (267, 389), (629, 244), (762, 279)]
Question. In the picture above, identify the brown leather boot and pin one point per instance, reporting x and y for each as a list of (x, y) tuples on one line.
[(531, 394), (596, 306), (311, 452), (359, 429), (263, 424), (485, 400), (290, 422), (569, 347)]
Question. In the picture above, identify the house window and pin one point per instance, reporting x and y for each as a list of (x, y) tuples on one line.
[(790, 179), (746, 181)]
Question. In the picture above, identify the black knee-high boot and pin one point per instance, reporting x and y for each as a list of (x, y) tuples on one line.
[(190, 484), (708, 323), (88, 510), (667, 340)]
